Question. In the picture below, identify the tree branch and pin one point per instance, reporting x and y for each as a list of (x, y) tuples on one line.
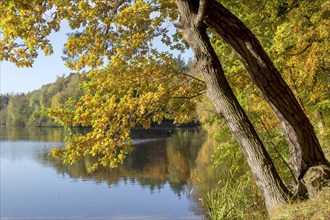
[(276, 150), (188, 97), (303, 50), (117, 5), (186, 74), (201, 12)]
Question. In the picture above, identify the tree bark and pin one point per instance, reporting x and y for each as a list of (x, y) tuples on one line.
[(305, 150), (224, 100)]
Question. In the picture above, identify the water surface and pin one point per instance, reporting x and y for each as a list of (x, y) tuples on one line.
[(157, 181)]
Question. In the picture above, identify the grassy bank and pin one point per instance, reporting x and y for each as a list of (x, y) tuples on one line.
[(316, 209)]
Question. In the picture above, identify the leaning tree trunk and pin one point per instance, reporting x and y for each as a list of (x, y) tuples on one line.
[(224, 100), (305, 150)]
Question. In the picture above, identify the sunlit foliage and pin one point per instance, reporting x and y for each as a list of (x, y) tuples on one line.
[(128, 82), (125, 96), (295, 34), (301, 45)]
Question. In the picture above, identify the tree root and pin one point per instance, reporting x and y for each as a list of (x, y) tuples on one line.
[(316, 178)]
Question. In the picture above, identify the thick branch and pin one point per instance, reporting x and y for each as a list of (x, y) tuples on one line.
[(201, 12)]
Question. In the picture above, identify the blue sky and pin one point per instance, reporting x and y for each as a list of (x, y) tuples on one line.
[(45, 69)]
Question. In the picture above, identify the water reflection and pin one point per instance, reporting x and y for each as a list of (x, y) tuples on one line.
[(155, 161), (164, 161), (11, 133)]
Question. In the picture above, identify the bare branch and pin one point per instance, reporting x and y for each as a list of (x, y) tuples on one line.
[(186, 74)]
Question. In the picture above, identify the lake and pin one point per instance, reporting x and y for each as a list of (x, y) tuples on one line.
[(159, 180)]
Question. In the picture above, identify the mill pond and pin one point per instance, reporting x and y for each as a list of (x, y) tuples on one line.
[(159, 180)]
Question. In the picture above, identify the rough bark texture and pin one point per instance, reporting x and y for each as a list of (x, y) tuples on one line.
[(305, 150), (219, 91)]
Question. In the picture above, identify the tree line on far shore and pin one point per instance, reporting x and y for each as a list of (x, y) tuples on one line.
[(29, 109)]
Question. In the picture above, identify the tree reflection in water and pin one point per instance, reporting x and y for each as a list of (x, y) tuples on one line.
[(13, 133), (179, 158)]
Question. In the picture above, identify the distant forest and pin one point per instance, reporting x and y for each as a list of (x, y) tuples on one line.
[(19, 109), (29, 109)]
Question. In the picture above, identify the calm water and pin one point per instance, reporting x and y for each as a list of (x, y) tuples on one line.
[(157, 181)]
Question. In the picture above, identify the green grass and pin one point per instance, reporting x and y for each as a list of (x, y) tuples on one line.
[(234, 199)]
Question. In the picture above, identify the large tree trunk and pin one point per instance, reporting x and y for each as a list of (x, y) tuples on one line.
[(305, 150), (219, 91)]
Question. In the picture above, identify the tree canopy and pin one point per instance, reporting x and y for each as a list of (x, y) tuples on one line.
[(129, 81)]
